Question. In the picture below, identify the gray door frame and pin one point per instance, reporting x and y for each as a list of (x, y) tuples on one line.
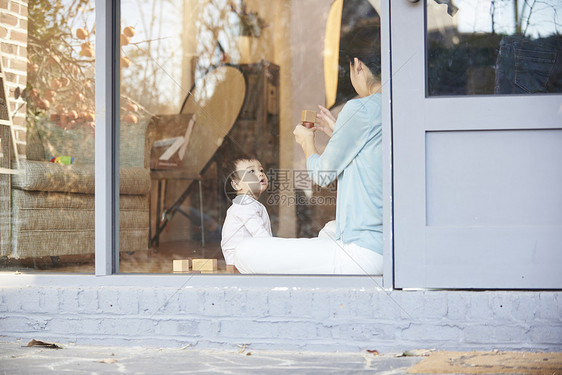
[(388, 233), (414, 119)]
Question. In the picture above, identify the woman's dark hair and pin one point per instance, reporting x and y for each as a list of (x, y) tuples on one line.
[(360, 37), (364, 43)]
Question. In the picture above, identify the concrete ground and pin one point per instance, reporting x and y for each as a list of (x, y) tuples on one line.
[(16, 358)]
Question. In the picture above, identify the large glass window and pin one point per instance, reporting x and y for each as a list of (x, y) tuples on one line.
[(204, 81), (201, 82), (483, 47), (47, 134)]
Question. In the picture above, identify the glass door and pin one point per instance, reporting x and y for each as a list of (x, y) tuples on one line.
[(477, 143)]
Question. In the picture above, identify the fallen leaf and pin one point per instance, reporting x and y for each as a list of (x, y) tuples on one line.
[(43, 344), (375, 352), (108, 360)]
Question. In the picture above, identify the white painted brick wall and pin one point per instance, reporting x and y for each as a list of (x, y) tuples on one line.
[(324, 319)]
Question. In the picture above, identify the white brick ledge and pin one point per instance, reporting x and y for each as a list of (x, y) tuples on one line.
[(270, 312)]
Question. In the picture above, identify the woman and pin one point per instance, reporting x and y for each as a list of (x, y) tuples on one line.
[(353, 243)]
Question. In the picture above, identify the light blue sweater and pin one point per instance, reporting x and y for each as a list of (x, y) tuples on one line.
[(354, 155)]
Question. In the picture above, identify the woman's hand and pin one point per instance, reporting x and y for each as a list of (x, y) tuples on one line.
[(303, 135), (325, 121), (305, 138)]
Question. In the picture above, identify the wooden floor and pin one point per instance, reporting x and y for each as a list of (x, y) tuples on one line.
[(157, 260)]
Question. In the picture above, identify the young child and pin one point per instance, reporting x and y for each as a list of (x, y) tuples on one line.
[(246, 217)]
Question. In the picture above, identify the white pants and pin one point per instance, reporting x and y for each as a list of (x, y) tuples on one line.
[(320, 255)]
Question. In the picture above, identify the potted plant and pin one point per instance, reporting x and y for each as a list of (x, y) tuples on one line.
[(249, 28)]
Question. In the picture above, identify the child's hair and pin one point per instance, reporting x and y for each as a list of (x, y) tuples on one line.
[(229, 170), (231, 167)]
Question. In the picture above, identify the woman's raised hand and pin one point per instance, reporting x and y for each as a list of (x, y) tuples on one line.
[(302, 134), (325, 121)]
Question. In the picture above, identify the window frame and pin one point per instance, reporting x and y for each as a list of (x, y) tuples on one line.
[(107, 137), (107, 156)]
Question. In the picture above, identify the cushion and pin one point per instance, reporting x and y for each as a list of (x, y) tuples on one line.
[(45, 176), (78, 142), (38, 211), (47, 223)]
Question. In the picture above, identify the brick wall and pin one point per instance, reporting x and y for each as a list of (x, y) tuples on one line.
[(282, 318), (13, 47)]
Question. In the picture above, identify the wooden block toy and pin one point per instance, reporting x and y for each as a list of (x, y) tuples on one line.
[(231, 269), (181, 265), (204, 265), (308, 118)]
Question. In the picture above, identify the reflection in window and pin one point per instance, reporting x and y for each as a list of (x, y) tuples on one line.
[(47, 214), (215, 79), (477, 47)]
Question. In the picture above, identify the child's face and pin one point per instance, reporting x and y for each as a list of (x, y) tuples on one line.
[(252, 178)]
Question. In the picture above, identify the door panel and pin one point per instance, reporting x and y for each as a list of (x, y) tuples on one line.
[(494, 257), (477, 170), (487, 178)]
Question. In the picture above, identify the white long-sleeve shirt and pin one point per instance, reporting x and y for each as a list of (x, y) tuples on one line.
[(245, 218)]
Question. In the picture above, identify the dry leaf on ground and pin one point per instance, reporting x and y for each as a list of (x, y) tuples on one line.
[(43, 344), (108, 360)]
